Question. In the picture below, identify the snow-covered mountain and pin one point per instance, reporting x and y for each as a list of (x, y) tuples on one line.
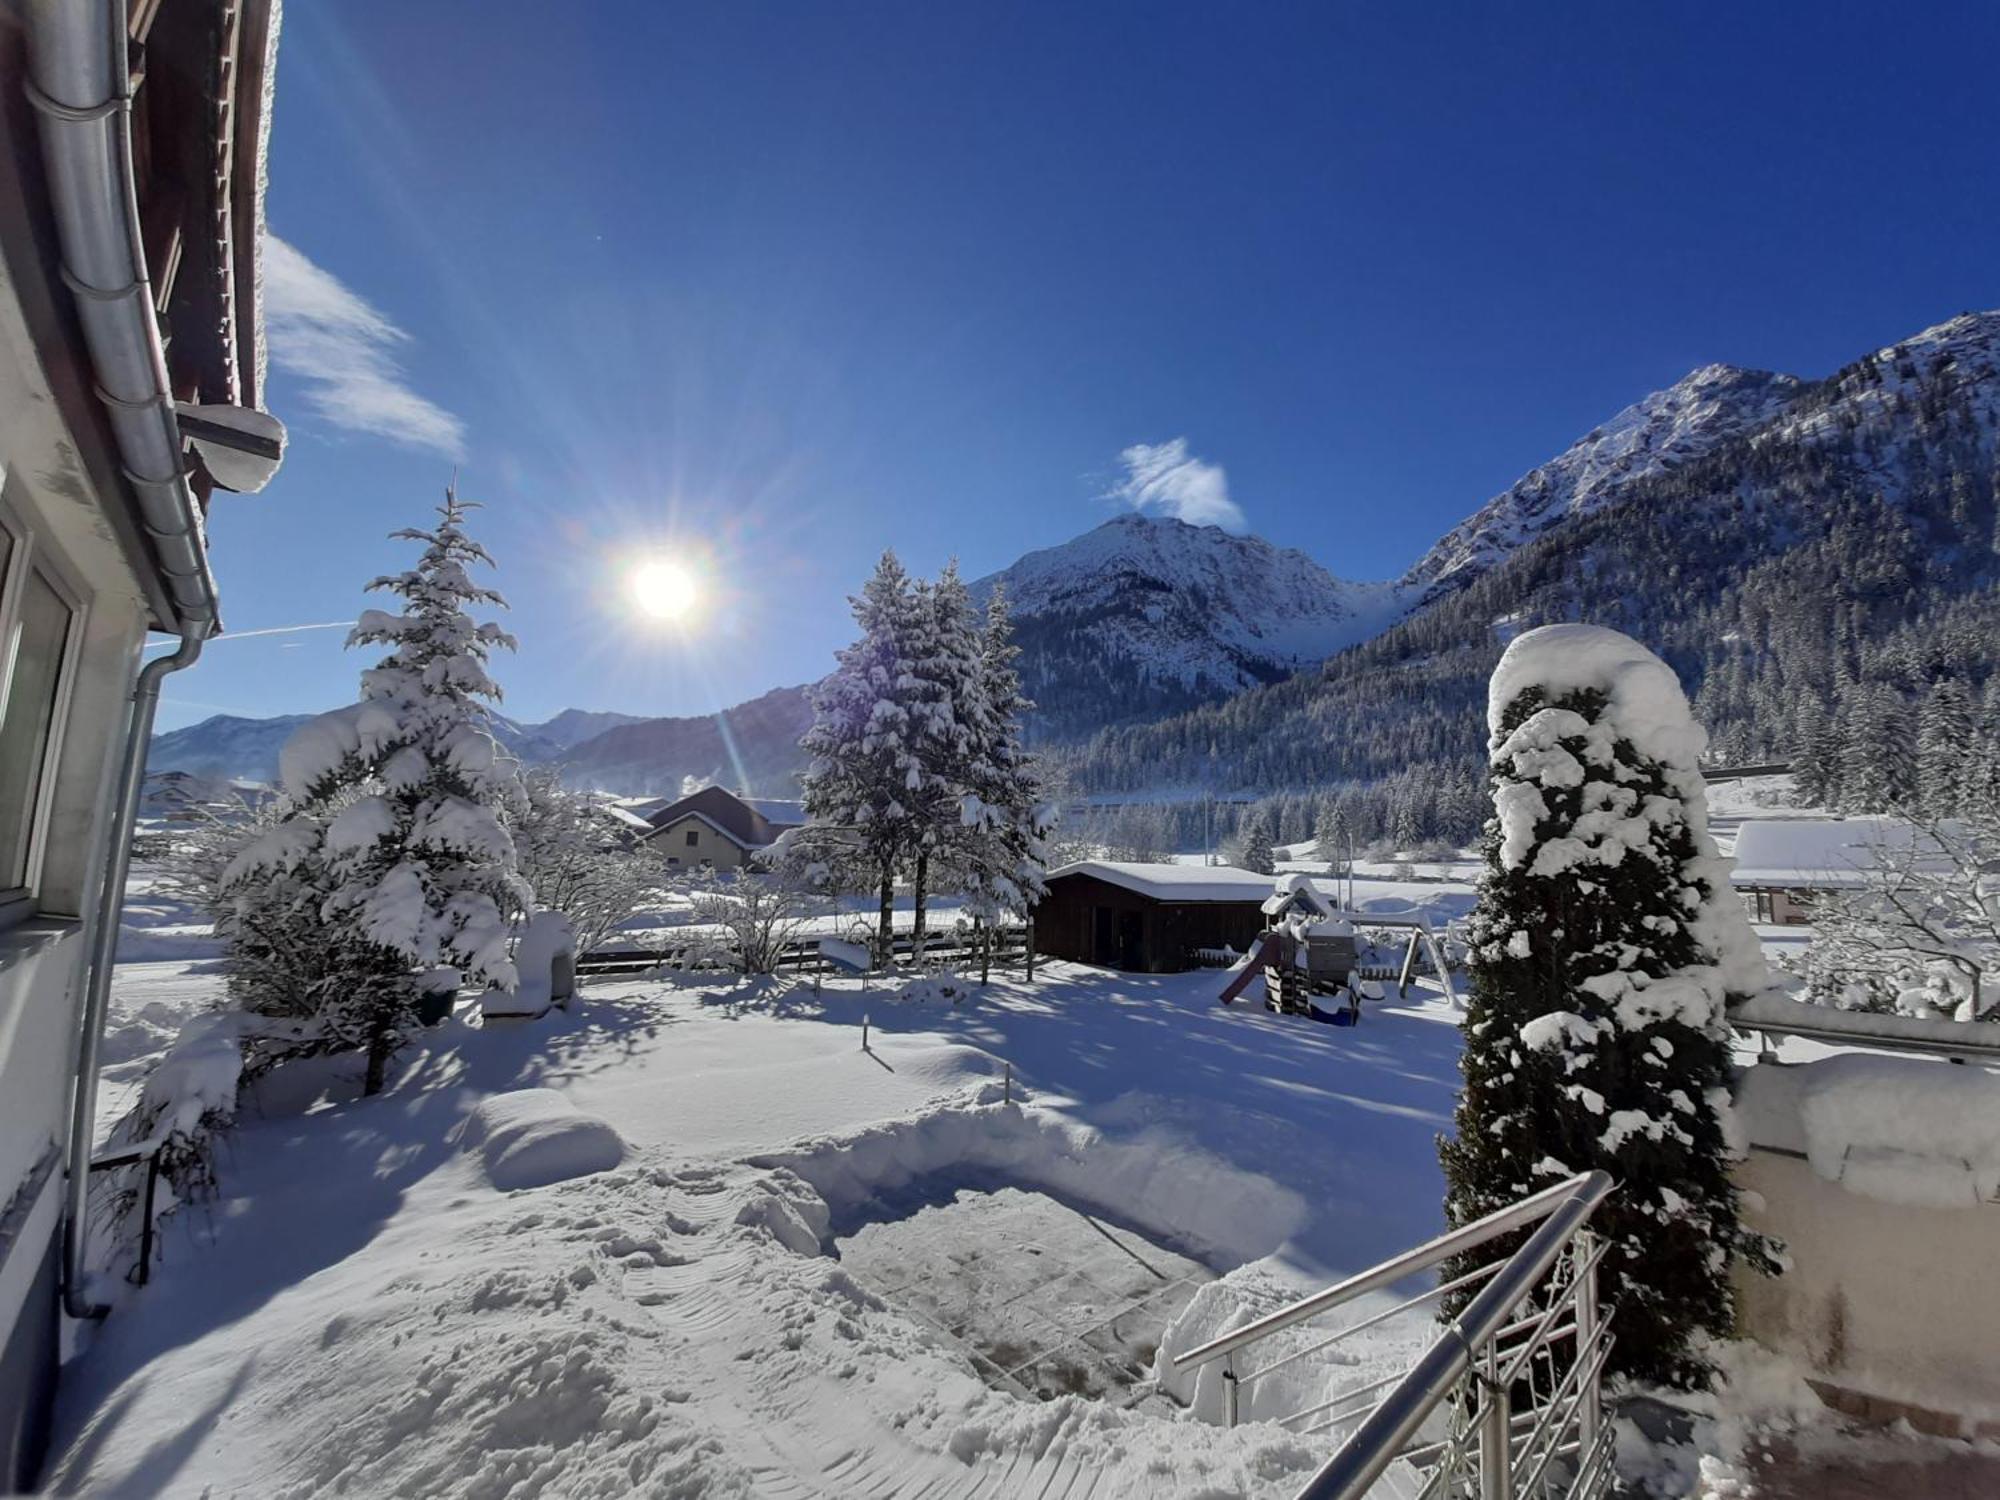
[(1813, 558), (227, 747), (1686, 420), (1148, 614), (753, 747), (575, 725)]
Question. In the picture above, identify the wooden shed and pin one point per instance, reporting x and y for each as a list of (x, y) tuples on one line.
[(1146, 918)]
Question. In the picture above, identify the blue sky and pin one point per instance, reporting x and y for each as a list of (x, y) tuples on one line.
[(772, 286)]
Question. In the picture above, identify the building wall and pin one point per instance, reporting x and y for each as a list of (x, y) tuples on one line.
[(1889, 1306), (1783, 907), (689, 842), (1078, 920), (52, 483)]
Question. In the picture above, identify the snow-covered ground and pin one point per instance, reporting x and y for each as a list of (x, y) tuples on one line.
[(362, 1309), (776, 1288)]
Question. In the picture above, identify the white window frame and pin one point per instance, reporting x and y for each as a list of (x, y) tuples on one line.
[(30, 553)]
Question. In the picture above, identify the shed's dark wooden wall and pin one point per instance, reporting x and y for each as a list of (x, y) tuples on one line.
[(1170, 930)]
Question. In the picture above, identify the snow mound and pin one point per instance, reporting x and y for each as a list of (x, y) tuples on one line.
[(1154, 1180), (533, 1137), (1903, 1130)]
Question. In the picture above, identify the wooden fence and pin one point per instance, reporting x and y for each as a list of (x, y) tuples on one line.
[(1010, 946)]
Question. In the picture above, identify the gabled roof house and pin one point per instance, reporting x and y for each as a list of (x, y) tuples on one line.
[(718, 828)]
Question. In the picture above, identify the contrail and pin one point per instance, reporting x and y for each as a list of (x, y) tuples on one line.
[(239, 635)]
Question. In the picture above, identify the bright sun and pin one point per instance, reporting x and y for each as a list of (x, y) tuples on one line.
[(665, 590)]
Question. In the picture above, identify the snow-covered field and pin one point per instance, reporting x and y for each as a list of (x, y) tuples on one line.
[(363, 1309)]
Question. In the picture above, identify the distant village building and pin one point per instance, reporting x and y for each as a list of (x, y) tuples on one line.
[(1784, 864), (1148, 918), (131, 375), (719, 829)]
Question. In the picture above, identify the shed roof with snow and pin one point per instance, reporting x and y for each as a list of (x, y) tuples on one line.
[(1172, 882), (1821, 853)]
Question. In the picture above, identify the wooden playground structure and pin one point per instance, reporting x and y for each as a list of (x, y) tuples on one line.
[(1309, 957)]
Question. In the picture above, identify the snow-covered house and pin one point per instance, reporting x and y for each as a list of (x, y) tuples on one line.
[(1150, 918), (1783, 863), (131, 367), (717, 828)]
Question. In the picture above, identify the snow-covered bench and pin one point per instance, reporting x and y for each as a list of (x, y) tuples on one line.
[(546, 960)]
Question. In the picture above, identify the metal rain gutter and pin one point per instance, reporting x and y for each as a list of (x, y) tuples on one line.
[(80, 86)]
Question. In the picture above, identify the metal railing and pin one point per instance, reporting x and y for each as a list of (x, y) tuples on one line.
[(1518, 1420)]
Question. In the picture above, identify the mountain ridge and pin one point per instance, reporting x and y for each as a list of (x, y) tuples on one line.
[(1148, 631)]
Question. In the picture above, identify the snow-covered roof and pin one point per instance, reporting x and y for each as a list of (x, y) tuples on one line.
[(785, 814), (655, 831), (1297, 890), (1174, 882), (1817, 853), (626, 816)]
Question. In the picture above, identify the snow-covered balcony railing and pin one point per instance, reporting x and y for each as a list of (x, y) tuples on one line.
[(1509, 1408), (1774, 1014)]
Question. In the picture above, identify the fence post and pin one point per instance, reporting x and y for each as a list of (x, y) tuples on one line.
[(1582, 1248), (864, 1033), (1496, 1456)]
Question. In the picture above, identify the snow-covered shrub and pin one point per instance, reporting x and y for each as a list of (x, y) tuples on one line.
[(756, 915), (570, 850), (1605, 942), (1921, 935), (389, 856)]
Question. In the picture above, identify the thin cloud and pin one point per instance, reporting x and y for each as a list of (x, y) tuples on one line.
[(1165, 479), (344, 349)]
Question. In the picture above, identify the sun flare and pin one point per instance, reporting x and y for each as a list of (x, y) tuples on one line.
[(665, 590)]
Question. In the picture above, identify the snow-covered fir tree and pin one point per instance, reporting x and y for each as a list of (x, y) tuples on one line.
[(391, 833), (1004, 808), (942, 693), (1946, 750), (865, 777), (1605, 943), (1330, 834), (1253, 843)]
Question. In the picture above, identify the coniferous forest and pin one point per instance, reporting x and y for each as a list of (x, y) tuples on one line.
[(1827, 586)]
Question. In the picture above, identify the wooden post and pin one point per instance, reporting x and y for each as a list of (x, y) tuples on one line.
[(864, 1032), (1409, 963)]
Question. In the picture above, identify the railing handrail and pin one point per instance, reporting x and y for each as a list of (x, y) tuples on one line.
[(1389, 1272), (1386, 1431), (1780, 1015)]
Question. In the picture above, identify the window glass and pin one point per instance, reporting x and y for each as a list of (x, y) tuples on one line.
[(40, 637), (694, 837)]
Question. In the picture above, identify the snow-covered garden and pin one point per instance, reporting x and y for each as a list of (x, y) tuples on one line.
[(926, 1230)]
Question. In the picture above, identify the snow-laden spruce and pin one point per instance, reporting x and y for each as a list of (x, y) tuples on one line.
[(917, 761), (1606, 944), (394, 868), (1003, 808)]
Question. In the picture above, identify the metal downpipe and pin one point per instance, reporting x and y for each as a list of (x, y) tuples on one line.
[(103, 954)]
